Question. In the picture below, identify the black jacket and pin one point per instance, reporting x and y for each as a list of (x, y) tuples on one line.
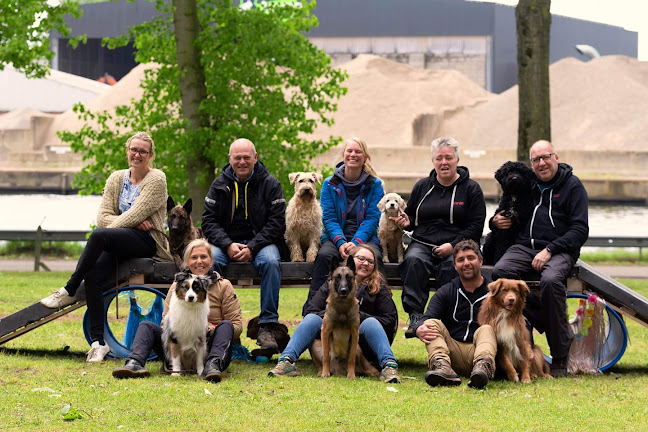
[(559, 219), (266, 208), (380, 306), (457, 309), (447, 214)]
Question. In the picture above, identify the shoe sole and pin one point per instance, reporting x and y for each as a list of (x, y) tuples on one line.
[(478, 381), (127, 373), (215, 377), (289, 374), (436, 380)]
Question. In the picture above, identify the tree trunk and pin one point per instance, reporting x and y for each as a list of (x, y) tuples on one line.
[(192, 93), (533, 21)]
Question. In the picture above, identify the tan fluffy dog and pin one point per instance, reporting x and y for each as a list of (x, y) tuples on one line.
[(502, 310), (338, 352), (389, 234), (304, 217)]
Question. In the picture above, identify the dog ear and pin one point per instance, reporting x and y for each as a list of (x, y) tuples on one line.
[(501, 172), (318, 177), (292, 177), (182, 276), (213, 277), (524, 288), (335, 263), (401, 203), (188, 206), (350, 262), (381, 203), (170, 203), (494, 287)]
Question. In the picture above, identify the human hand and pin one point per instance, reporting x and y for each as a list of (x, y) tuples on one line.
[(144, 226), (502, 222), (346, 249), (541, 259), (444, 250), (402, 220), (427, 331), (239, 252)]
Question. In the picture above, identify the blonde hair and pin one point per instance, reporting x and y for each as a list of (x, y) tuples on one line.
[(368, 167), (144, 136), (375, 279), (193, 245)]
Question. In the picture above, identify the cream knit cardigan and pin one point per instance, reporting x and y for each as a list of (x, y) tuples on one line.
[(150, 205)]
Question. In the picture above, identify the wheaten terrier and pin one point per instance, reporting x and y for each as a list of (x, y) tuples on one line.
[(304, 217), (389, 234)]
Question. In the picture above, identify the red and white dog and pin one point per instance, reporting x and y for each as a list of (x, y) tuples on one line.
[(502, 310), (185, 324)]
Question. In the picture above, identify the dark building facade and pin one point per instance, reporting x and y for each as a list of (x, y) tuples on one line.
[(478, 39)]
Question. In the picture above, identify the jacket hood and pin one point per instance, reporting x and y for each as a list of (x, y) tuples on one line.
[(338, 176), (463, 172), (260, 171), (565, 171)]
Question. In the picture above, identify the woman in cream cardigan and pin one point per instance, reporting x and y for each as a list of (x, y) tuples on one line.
[(130, 225)]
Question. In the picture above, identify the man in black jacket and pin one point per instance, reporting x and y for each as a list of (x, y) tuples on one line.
[(244, 221), (550, 244), (450, 330)]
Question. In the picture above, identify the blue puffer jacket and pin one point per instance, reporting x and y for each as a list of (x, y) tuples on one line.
[(334, 209)]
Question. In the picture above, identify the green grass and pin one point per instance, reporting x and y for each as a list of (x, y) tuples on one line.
[(51, 249), (615, 256), (53, 357)]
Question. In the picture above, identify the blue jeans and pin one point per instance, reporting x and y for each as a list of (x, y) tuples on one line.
[(268, 264), (372, 336)]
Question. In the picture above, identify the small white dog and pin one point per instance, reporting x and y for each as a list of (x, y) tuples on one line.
[(304, 217), (389, 234), (185, 324)]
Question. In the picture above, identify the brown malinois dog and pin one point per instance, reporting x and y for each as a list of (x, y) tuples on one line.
[(181, 229), (338, 350)]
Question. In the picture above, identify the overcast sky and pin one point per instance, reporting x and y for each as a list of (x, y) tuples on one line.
[(629, 14)]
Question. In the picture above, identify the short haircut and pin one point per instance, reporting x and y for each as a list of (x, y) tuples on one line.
[(466, 245), (239, 140), (445, 142), (193, 245)]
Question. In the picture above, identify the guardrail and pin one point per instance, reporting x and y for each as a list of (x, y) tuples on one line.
[(40, 235)]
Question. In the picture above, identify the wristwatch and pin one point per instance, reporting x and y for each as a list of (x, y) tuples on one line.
[(549, 250)]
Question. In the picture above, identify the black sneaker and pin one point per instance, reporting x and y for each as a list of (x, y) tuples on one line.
[(266, 340), (558, 367), (413, 319), (131, 369), (212, 370)]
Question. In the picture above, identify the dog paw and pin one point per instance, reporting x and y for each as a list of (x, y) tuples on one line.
[(351, 375), (323, 375), (296, 258), (175, 374)]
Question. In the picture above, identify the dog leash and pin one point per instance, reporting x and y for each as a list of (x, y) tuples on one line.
[(409, 234)]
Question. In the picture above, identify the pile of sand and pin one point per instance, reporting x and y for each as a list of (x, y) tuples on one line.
[(120, 94), (386, 98), (597, 105)]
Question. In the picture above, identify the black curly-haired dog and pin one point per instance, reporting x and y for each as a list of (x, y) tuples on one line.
[(517, 181)]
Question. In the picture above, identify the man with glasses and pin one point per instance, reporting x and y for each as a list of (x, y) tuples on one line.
[(549, 244), (245, 221)]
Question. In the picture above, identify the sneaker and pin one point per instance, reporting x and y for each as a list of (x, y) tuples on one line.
[(558, 367), (266, 340), (389, 373), (285, 367), (97, 352), (413, 319), (58, 299), (212, 371), (441, 374), (131, 369), (483, 371)]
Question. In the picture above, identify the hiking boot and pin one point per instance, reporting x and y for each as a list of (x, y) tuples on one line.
[(97, 352), (266, 340), (212, 370), (558, 367), (58, 299), (441, 374), (285, 367), (483, 371), (413, 319), (389, 373), (131, 369)]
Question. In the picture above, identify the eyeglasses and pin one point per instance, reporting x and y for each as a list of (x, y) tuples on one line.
[(544, 157), (363, 260), (140, 151)]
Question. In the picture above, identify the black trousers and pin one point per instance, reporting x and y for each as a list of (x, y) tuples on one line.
[(97, 266), (547, 313), (322, 267), (418, 265), (149, 337)]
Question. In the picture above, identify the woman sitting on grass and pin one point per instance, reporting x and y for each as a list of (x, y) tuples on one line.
[(224, 322), (130, 225), (378, 320)]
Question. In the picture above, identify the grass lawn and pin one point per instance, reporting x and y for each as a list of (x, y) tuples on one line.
[(44, 370)]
